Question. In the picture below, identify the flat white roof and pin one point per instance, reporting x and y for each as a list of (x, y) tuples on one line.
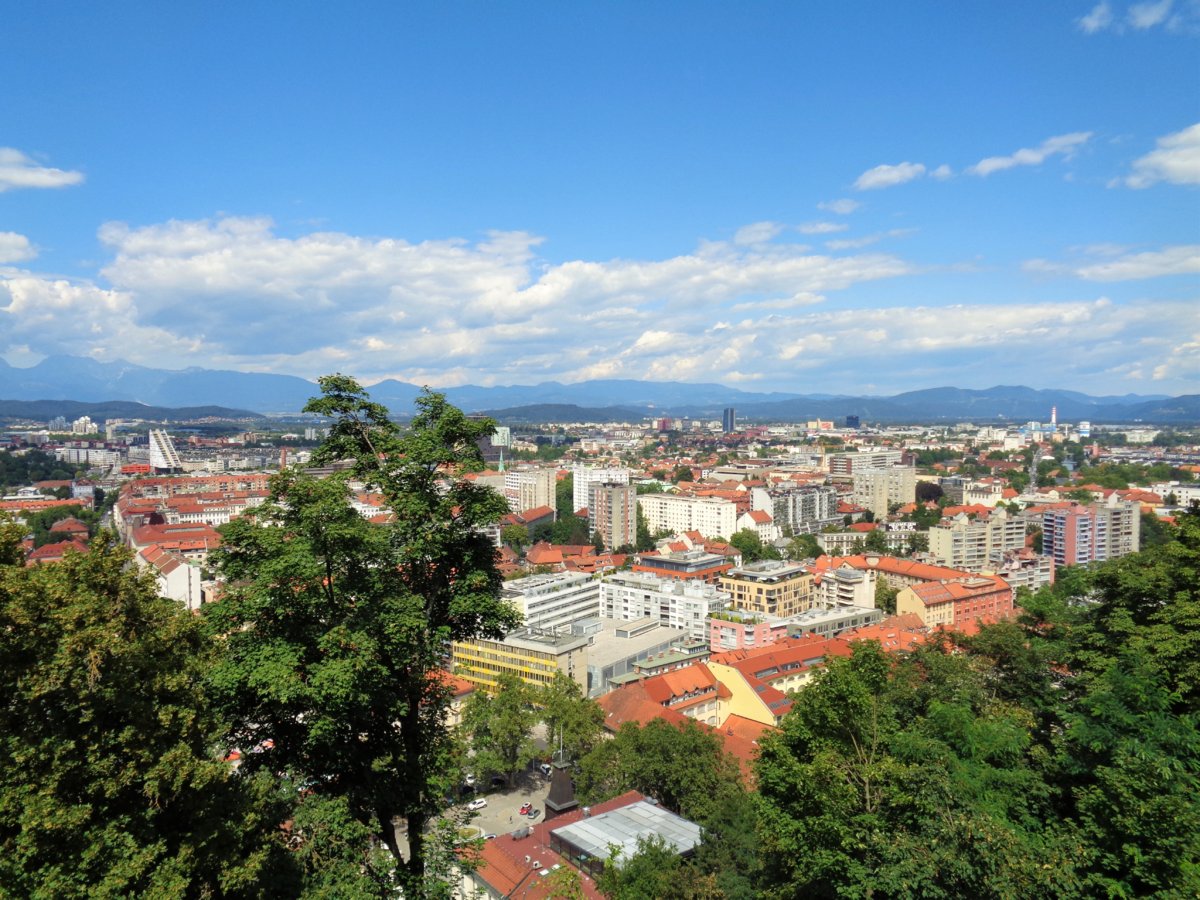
[(622, 828)]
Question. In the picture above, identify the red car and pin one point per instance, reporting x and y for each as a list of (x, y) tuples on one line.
[(525, 809)]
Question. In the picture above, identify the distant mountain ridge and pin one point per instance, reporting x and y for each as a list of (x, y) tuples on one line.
[(45, 410), (86, 380)]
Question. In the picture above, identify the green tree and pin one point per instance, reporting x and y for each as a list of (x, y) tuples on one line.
[(515, 536), (805, 546), (652, 871), (1134, 772), (750, 545), (570, 717), (564, 495), (876, 541), (111, 783), (1154, 531), (885, 595), (645, 540), (500, 727), (918, 542), (334, 628), (685, 767), (904, 778)]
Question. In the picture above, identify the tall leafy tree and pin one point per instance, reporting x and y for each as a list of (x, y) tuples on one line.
[(571, 718), (500, 726), (684, 766), (335, 627), (111, 780)]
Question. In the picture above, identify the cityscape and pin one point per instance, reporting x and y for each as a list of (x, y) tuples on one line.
[(620, 451)]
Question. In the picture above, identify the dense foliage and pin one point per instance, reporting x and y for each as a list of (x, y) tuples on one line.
[(110, 782), (25, 468), (1056, 756), (334, 627)]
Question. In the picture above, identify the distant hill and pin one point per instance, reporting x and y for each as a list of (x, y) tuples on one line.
[(541, 413), (45, 410), (86, 380)]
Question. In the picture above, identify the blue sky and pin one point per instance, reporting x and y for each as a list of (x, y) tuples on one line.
[(809, 197)]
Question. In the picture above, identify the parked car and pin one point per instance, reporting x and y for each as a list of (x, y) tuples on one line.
[(489, 837), (526, 808), (534, 813), (477, 804), (545, 769), (469, 780)]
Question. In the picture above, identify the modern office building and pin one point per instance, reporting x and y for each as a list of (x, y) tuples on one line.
[(163, 455), (729, 420), (551, 601), (670, 601), (770, 587), (684, 564)]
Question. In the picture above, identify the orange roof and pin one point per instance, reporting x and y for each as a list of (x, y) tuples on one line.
[(631, 703), (889, 565), (895, 633), (54, 552), (544, 554), (761, 516)]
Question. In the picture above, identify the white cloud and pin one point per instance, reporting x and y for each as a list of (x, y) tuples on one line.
[(821, 227), (1064, 145), (15, 248), (1177, 260), (247, 297), (887, 176), (19, 171), (1176, 160), (1147, 15), (842, 207), (233, 293), (1098, 19), (942, 172), (757, 233), (868, 239)]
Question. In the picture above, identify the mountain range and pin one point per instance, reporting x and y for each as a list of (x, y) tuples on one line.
[(89, 381)]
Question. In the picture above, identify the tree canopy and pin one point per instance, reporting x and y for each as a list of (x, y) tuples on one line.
[(111, 777), (334, 627)]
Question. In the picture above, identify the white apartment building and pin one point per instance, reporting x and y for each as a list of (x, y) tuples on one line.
[(976, 545), (852, 463), (844, 586), (88, 456), (529, 488), (84, 425), (556, 600), (669, 601), (877, 489), (585, 476), (1185, 494), (710, 516), (804, 508), (163, 455)]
